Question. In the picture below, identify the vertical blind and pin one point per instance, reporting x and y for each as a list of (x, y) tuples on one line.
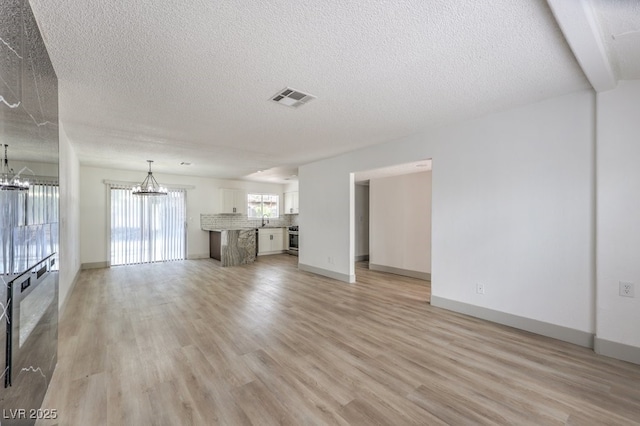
[(42, 206), (28, 225), (147, 229), (12, 211)]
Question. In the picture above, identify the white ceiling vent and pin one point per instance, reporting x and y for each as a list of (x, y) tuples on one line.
[(292, 98)]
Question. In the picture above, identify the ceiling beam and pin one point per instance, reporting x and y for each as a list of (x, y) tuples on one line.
[(580, 29)]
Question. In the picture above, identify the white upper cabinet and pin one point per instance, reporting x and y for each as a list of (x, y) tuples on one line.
[(291, 202), (233, 201)]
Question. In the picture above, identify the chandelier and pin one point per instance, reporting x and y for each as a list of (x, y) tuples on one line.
[(9, 181), (149, 185)]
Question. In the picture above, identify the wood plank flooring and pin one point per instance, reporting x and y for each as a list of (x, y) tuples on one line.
[(191, 343)]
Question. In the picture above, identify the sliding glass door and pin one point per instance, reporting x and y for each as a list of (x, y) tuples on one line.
[(147, 229)]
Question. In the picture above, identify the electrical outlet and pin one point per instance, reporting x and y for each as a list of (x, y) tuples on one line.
[(627, 289), (480, 288)]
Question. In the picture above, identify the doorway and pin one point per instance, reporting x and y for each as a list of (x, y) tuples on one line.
[(147, 229), (399, 218)]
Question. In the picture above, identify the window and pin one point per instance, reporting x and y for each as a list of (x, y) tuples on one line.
[(260, 205)]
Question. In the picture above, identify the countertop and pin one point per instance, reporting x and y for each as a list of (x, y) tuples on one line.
[(232, 247), (242, 229), (226, 229)]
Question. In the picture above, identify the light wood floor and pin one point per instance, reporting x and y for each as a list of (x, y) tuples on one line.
[(192, 343)]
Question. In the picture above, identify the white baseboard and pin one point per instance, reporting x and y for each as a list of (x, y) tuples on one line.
[(198, 256), (327, 273), (96, 265), (559, 332), (399, 271), (617, 350)]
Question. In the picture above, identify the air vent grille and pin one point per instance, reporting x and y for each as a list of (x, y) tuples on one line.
[(292, 98)]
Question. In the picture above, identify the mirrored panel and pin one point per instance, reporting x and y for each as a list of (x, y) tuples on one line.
[(29, 205)]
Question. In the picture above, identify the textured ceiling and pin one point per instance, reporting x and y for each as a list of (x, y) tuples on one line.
[(148, 79)]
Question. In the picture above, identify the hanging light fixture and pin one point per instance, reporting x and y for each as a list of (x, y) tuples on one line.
[(9, 181), (149, 185)]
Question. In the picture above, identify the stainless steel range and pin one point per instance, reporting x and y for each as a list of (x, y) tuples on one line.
[(293, 240)]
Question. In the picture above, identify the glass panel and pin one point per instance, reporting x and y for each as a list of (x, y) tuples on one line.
[(260, 205), (147, 229)]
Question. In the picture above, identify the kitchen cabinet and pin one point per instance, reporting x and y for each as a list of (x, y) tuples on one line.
[(215, 240), (291, 201), (271, 241), (233, 247), (233, 201)]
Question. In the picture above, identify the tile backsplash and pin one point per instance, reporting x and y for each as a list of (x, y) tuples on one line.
[(234, 221)]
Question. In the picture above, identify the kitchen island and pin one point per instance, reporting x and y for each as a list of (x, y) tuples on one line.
[(232, 247)]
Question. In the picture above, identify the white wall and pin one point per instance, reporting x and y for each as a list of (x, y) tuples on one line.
[(361, 194), (327, 233), (513, 203), (203, 199), (618, 213), (291, 186), (69, 174), (400, 222)]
